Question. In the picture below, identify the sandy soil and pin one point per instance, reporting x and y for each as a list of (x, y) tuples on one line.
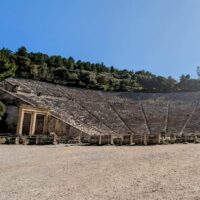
[(94, 173)]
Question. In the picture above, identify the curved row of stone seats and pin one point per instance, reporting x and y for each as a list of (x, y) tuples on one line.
[(52, 89), (140, 96), (179, 114), (69, 110), (98, 103), (42, 88), (112, 96), (37, 87), (128, 95), (31, 99), (156, 115), (81, 114), (83, 94), (104, 112), (55, 90), (131, 114), (95, 103), (101, 107), (168, 97), (33, 86), (193, 125), (186, 97)]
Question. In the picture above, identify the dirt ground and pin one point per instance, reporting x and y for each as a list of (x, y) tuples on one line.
[(94, 173)]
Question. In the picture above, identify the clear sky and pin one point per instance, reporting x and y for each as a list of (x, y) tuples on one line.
[(162, 36)]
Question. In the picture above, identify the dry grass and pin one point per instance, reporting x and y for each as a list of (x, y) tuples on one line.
[(84, 173)]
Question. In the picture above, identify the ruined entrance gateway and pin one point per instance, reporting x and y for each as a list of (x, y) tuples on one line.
[(32, 121), (37, 108)]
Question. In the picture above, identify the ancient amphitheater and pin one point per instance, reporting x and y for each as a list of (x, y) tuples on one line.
[(44, 113), (140, 118)]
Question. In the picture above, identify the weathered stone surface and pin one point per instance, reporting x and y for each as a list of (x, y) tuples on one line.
[(80, 112)]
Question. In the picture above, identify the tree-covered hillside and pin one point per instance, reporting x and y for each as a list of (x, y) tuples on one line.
[(67, 71)]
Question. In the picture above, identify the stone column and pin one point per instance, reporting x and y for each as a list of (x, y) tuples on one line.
[(99, 139), (145, 139), (45, 125), (20, 121), (111, 140), (131, 139), (33, 122)]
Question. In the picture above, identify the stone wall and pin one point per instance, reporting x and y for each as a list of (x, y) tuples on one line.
[(59, 127), (8, 124), (12, 118)]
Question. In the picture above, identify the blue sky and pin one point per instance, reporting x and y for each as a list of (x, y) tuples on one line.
[(162, 36)]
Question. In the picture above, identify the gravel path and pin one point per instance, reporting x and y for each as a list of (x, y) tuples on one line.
[(94, 173)]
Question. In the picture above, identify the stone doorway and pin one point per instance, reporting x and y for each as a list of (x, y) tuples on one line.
[(26, 124), (39, 125)]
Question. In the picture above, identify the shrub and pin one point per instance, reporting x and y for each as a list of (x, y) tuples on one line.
[(2, 110)]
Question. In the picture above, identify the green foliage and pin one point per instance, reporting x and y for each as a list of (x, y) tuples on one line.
[(7, 64), (88, 78), (23, 63), (67, 71), (2, 110)]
